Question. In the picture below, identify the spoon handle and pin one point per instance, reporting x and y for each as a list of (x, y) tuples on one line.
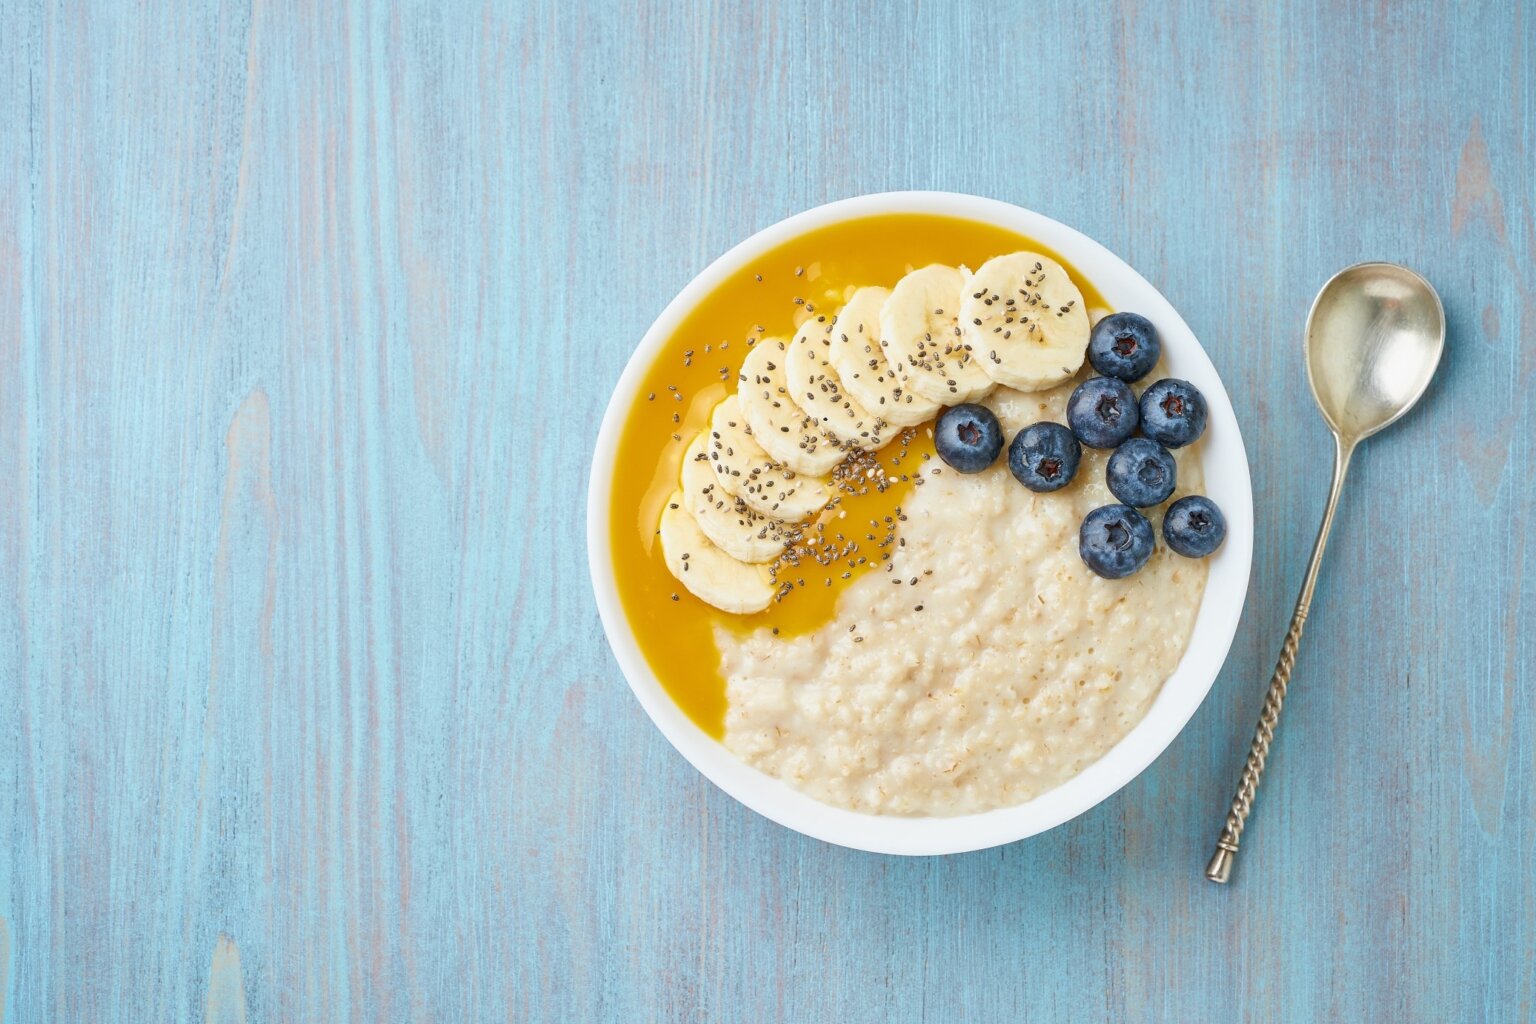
[(1220, 868)]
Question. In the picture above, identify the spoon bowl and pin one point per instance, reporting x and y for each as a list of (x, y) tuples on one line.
[(1373, 339)]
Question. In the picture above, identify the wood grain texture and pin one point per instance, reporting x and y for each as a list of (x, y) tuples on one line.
[(307, 714)]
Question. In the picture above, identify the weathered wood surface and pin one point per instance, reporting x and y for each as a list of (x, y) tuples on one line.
[(307, 315)]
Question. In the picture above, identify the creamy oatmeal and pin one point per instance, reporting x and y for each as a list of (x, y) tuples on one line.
[(1007, 668)]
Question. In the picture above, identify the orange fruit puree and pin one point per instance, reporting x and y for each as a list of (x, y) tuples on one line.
[(697, 366)]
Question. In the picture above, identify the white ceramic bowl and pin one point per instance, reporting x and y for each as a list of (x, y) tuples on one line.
[(1226, 473)]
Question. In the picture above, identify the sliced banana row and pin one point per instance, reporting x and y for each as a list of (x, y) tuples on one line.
[(888, 360)]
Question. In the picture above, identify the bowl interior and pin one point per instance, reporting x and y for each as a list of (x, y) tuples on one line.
[(1226, 470)]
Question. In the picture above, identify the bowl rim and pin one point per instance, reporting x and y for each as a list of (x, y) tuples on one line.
[(1224, 459)]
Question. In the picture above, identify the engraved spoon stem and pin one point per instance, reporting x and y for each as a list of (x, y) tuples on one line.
[(1220, 867)]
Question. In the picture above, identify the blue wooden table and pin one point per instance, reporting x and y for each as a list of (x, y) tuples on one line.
[(307, 316)]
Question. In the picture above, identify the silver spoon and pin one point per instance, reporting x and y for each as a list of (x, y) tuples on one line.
[(1374, 338)]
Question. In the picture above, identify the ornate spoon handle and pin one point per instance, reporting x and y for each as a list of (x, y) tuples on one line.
[(1220, 867)]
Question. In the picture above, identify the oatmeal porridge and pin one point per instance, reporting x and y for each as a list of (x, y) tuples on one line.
[(986, 667)]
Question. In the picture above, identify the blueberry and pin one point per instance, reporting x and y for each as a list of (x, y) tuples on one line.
[(1124, 345), (1141, 473), (1044, 457), (1194, 526), (1102, 412), (968, 437), (1115, 541), (1173, 412)]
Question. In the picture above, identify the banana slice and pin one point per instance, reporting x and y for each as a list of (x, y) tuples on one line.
[(920, 329), (745, 470), (859, 359), (778, 423), (710, 574), (1025, 320), (725, 519), (816, 387)]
